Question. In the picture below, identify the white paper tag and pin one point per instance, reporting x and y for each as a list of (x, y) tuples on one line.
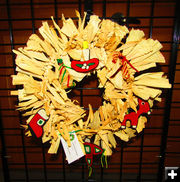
[(74, 152)]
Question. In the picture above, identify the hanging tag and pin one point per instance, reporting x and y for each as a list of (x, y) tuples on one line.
[(74, 152)]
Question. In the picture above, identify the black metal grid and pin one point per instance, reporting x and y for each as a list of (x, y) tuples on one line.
[(66, 174)]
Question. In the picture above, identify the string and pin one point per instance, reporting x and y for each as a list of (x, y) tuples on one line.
[(102, 160), (90, 171), (105, 159), (124, 59), (62, 64), (61, 68), (73, 131), (67, 66), (118, 55), (63, 76), (60, 61), (68, 81)]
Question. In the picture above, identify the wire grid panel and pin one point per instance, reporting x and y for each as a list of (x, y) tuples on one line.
[(23, 159)]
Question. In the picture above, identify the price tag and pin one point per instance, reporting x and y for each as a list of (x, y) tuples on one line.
[(74, 152)]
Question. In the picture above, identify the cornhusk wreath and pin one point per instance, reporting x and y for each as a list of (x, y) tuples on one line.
[(52, 63)]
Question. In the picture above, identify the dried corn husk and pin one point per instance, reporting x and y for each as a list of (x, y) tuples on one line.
[(45, 84)]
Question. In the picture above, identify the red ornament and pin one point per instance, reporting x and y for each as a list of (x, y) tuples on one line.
[(85, 66), (37, 122), (134, 116), (91, 150)]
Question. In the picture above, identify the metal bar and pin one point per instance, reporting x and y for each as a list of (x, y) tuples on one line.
[(173, 58), (56, 11), (75, 18), (141, 158), (96, 2), (10, 44), (127, 12), (41, 3), (79, 6), (4, 154), (64, 168), (35, 147), (7, 44), (126, 163), (151, 19), (132, 1), (32, 16), (13, 59), (44, 163), (86, 109), (121, 162), (83, 164), (104, 16), (63, 162), (43, 149), (39, 180), (142, 137), (28, 29), (88, 7), (15, 134), (122, 146), (104, 8)]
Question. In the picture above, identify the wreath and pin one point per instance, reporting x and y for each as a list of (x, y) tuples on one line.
[(53, 62)]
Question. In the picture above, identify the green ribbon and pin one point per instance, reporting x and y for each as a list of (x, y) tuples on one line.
[(90, 171), (105, 159), (63, 75), (74, 131), (60, 61)]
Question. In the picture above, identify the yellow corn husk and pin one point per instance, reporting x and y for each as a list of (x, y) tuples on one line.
[(122, 136), (69, 28), (108, 151), (54, 145), (97, 140), (112, 139), (141, 123), (152, 80)]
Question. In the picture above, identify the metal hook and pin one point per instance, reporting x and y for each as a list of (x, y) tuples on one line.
[(122, 20)]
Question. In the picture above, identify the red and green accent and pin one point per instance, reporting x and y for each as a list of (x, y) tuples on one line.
[(62, 72), (85, 66), (91, 150), (37, 122)]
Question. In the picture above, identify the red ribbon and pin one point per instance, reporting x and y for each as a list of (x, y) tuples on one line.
[(123, 58)]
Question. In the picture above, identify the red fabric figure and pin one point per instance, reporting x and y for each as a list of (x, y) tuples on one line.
[(37, 122), (85, 66), (133, 116), (91, 149)]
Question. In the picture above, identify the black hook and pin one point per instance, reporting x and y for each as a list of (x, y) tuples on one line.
[(122, 20), (88, 7)]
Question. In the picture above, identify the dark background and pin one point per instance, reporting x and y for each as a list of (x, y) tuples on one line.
[(142, 159)]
